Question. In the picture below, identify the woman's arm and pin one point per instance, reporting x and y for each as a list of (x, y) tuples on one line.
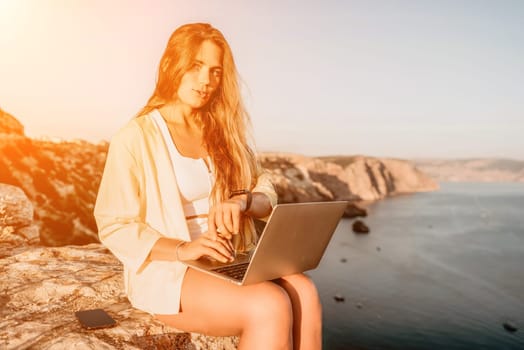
[(259, 207), (118, 211), (216, 246), (225, 217)]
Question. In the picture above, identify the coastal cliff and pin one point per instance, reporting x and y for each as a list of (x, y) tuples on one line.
[(47, 194), (61, 179), (298, 178)]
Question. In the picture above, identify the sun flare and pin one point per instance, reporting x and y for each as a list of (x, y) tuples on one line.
[(9, 13)]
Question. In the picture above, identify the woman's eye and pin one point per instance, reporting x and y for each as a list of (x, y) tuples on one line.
[(217, 73)]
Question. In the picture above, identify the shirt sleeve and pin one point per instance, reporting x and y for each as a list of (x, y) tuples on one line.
[(265, 186), (119, 212)]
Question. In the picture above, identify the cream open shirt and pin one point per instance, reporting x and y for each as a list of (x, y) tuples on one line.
[(138, 202)]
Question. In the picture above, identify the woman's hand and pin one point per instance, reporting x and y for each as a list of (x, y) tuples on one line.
[(224, 221), (225, 218), (219, 249)]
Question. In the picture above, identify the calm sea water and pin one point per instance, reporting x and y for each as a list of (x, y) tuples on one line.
[(440, 270)]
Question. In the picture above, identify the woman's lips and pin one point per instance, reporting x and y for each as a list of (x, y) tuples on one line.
[(202, 94)]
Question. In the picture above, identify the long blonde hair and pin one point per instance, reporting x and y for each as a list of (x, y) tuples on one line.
[(224, 118)]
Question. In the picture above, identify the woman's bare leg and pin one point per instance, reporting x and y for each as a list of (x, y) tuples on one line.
[(261, 313), (307, 311)]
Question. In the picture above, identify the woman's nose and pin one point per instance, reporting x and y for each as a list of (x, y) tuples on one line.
[(203, 76)]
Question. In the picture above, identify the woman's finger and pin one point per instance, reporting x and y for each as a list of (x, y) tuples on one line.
[(211, 225), (212, 253), (235, 218), (220, 247), (228, 244), (221, 229), (227, 219), (232, 247), (225, 235), (204, 246), (218, 220)]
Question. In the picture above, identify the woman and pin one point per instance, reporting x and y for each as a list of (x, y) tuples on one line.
[(181, 182)]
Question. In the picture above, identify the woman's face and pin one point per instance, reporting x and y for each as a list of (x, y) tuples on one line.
[(200, 82)]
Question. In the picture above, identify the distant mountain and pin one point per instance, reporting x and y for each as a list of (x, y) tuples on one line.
[(473, 170)]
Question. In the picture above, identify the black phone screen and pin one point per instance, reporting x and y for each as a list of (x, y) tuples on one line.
[(93, 319)]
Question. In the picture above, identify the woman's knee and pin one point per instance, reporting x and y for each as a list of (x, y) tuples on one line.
[(270, 302), (301, 288)]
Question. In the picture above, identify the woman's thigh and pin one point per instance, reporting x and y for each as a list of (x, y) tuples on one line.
[(213, 306)]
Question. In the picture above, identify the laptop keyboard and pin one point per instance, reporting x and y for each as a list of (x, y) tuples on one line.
[(236, 271)]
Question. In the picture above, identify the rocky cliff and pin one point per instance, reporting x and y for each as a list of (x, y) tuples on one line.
[(41, 288), (61, 180), (299, 178), (9, 124), (17, 229), (47, 193)]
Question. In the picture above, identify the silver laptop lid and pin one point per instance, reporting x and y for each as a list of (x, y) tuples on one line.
[(294, 239)]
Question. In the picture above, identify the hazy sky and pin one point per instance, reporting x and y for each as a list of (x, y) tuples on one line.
[(382, 77)]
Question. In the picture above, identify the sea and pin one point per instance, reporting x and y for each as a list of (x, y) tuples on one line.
[(438, 270)]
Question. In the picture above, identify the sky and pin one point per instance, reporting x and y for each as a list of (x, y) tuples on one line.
[(386, 78)]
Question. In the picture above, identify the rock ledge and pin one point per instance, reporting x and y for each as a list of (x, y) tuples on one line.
[(41, 288)]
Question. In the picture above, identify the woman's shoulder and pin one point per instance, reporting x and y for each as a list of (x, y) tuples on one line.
[(134, 135), (134, 129)]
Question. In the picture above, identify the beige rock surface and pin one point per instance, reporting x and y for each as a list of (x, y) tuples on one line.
[(299, 178), (41, 288), (17, 229)]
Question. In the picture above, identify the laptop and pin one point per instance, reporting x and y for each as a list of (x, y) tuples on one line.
[(293, 240)]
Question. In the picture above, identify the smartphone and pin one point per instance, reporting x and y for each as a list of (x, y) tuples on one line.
[(94, 319)]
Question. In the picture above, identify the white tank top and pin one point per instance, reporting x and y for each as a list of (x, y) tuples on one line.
[(194, 180)]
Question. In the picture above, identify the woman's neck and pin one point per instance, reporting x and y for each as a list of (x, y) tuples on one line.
[(185, 129), (180, 114)]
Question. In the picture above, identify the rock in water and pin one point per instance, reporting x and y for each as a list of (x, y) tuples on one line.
[(353, 211), (510, 327), (360, 227), (339, 298)]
